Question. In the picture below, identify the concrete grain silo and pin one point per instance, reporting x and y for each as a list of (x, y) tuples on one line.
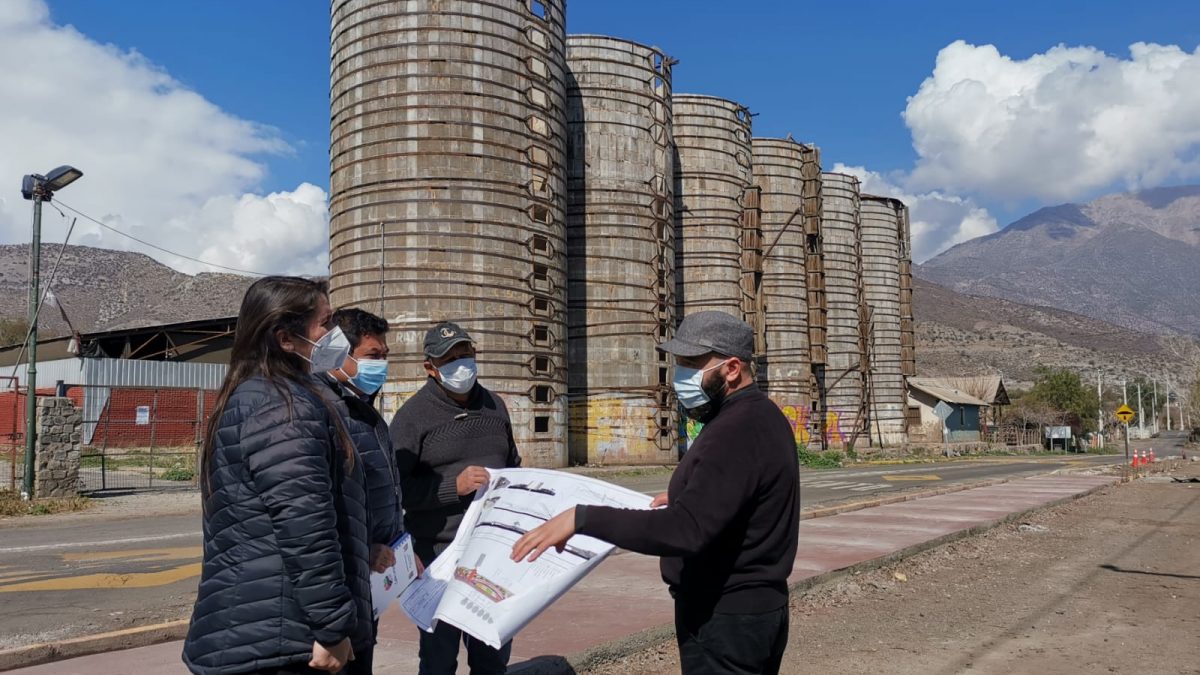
[(785, 365), (712, 174), (881, 229), (845, 373), (620, 252), (448, 152)]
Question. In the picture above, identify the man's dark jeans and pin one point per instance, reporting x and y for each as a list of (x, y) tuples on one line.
[(439, 653), (738, 644)]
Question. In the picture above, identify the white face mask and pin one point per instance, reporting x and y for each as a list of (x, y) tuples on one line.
[(328, 353), (459, 376), (689, 385)]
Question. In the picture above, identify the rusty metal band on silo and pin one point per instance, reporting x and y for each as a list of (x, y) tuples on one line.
[(881, 252), (908, 354), (448, 154), (620, 252), (712, 173), (847, 367)]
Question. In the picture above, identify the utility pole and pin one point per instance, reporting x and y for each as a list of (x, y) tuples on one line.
[(37, 188), (1168, 383), (35, 269), (1141, 417), (1100, 410), (1154, 407)]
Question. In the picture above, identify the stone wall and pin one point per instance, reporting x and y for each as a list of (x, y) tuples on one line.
[(59, 425)]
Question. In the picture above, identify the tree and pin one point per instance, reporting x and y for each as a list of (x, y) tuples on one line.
[(1064, 392), (13, 331)]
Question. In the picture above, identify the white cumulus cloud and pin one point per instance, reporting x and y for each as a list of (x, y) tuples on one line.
[(937, 220), (1058, 124), (159, 160)]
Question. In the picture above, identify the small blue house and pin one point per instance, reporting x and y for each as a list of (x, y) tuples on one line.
[(963, 425)]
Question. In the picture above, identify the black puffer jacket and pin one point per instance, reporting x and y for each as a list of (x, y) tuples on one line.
[(369, 432), (285, 537)]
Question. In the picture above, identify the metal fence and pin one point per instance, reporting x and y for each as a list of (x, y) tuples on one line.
[(12, 434), (1015, 436), (137, 438)]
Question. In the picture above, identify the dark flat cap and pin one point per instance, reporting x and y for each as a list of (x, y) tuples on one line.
[(711, 331)]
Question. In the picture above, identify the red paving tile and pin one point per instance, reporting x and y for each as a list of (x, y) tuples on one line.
[(625, 594)]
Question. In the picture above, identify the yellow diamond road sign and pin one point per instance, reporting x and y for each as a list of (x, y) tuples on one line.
[(1125, 414)]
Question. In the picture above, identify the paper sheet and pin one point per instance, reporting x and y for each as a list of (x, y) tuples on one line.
[(475, 586)]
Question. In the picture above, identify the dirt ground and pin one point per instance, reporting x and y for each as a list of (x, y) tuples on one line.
[(1106, 584), (166, 503)]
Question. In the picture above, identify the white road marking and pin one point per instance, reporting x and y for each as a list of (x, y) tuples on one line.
[(106, 542)]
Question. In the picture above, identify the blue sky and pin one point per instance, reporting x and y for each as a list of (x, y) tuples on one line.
[(827, 74)]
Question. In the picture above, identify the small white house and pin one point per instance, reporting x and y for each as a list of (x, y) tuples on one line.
[(962, 426)]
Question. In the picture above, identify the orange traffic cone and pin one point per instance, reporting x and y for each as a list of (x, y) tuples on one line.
[(1142, 461), (1151, 455)]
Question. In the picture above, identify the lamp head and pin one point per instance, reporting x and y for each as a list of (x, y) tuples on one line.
[(62, 177), (43, 186)]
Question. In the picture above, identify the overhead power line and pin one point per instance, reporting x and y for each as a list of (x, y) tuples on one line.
[(37, 313), (155, 246)]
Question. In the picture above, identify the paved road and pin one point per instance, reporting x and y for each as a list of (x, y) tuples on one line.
[(68, 579)]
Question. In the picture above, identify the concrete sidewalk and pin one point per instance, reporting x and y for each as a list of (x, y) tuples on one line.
[(623, 605)]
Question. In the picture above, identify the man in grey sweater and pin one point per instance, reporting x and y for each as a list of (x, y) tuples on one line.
[(446, 437)]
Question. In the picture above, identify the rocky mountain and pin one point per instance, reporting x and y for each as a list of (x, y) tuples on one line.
[(957, 334), (100, 289), (1128, 259), (960, 334)]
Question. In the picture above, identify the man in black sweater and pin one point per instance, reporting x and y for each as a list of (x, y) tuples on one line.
[(446, 437), (729, 531)]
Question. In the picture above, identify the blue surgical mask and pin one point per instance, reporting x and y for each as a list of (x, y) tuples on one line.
[(689, 385), (372, 373), (459, 376)]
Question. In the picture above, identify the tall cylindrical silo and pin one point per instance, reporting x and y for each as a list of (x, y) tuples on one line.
[(846, 366), (712, 172), (620, 252), (784, 364), (448, 152), (880, 217)]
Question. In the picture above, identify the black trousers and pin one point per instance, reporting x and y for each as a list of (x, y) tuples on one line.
[(737, 644)]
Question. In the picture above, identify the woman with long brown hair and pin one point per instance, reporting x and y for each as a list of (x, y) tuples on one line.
[(285, 584)]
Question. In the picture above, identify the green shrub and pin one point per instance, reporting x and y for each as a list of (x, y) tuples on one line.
[(179, 474), (830, 459)]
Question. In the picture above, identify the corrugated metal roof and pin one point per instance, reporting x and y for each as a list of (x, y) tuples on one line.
[(125, 373), (132, 373), (984, 387), (943, 393), (69, 371)]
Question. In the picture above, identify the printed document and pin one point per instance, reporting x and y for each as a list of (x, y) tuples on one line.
[(387, 586), (475, 586)]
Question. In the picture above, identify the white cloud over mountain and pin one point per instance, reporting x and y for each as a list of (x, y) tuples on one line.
[(937, 221), (168, 166), (159, 160), (1057, 125)]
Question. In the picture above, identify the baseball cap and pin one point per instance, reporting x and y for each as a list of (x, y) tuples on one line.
[(440, 338), (711, 331)]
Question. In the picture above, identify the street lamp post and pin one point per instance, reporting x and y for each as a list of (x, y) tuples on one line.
[(39, 189)]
